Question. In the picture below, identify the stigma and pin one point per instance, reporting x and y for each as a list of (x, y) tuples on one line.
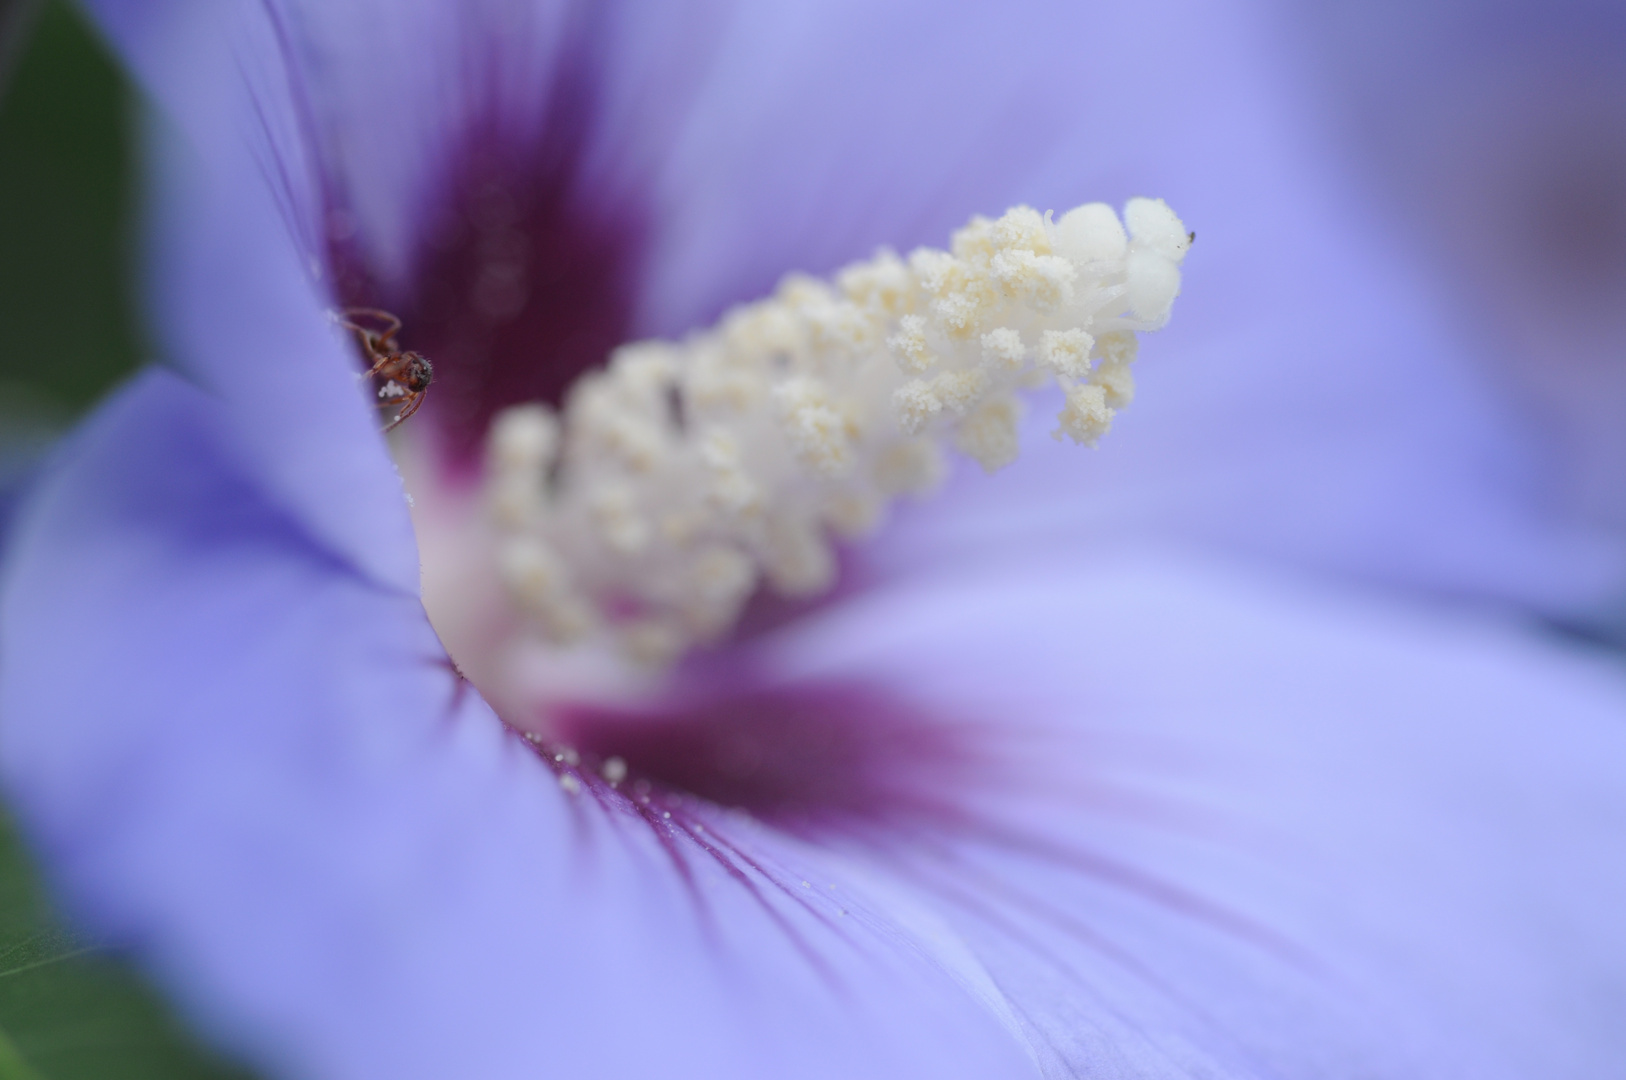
[(684, 476)]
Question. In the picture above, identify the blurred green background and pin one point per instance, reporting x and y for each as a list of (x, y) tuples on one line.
[(68, 329), (69, 1009)]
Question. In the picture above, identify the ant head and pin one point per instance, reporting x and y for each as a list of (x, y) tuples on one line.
[(416, 372)]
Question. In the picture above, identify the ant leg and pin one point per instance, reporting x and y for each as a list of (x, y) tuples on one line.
[(415, 404), (374, 313), (379, 359), (406, 411), (366, 339), (377, 340), (371, 345), (375, 343)]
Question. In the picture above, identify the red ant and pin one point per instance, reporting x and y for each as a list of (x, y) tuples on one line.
[(405, 375)]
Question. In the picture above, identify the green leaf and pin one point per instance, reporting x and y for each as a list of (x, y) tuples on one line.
[(73, 1010)]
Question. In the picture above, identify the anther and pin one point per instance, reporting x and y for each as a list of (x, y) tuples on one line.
[(685, 476)]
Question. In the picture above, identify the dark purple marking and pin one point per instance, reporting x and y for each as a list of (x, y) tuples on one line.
[(522, 287), (807, 759), (522, 278)]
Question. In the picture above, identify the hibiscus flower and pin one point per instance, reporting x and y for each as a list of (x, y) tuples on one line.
[(1107, 766)]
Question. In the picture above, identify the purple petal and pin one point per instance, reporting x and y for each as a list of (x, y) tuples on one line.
[(1512, 112), (1256, 826), (256, 764)]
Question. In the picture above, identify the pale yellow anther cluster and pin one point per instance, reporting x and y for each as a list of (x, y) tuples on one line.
[(684, 476)]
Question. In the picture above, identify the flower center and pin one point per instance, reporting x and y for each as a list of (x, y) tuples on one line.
[(675, 481)]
